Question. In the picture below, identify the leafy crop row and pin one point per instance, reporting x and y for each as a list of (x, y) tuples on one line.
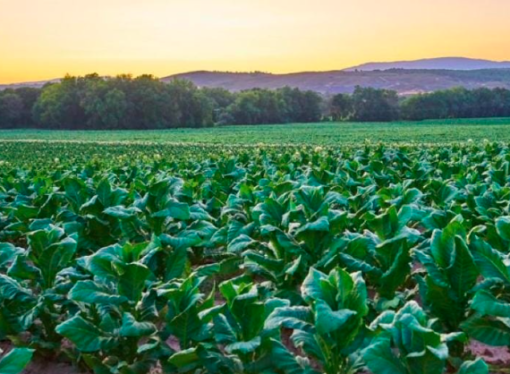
[(257, 260)]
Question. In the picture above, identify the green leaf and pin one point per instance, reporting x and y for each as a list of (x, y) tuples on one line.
[(441, 247), (399, 270), (132, 281), (240, 243), (86, 336), (486, 304), (286, 361), (121, 212), (311, 289), (429, 361), (92, 293), (10, 289), (310, 197), (441, 304), (244, 347), (132, 328), (489, 331), (489, 261), (503, 227), (95, 363), (327, 320), (26, 212), (223, 331), (104, 191), (308, 342), (50, 254), (176, 263), (296, 317), (15, 361), (184, 358), (8, 253), (463, 271), (322, 224), (175, 210), (22, 268), (184, 240), (477, 366), (381, 360)]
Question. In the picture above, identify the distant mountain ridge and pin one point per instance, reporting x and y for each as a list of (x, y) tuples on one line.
[(37, 84), (442, 63), (405, 82), (405, 77)]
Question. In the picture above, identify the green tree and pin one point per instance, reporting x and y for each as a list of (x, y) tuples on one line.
[(194, 109), (341, 107), (59, 105), (11, 110), (371, 104), (105, 107)]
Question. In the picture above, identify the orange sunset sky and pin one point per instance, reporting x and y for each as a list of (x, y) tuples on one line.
[(46, 39)]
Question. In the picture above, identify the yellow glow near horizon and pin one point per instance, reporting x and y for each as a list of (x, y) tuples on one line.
[(44, 39)]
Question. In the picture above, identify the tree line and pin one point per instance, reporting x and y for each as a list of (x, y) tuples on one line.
[(144, 102), (124, 102), (370, 104)]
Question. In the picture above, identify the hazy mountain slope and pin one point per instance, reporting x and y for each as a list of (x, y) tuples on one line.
[(38, 84), (448, 63), (425, 76), (402, 81)]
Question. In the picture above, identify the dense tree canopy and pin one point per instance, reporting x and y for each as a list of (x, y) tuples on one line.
[(366, 105), (458, 103), (369, 104), (145, 102), (123, 102), (16, 107)]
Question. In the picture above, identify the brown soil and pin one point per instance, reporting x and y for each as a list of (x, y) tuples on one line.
[(494, 356), (497, 356), (48, 367)]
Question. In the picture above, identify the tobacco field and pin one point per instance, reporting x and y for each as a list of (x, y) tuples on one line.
[(132, 259)]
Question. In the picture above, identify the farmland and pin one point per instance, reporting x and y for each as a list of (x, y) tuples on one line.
[(274, 249), (436, 131)]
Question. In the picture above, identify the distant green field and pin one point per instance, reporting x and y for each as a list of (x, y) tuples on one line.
[(438, 131)]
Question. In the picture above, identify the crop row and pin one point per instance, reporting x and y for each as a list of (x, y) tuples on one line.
[(258, 260)]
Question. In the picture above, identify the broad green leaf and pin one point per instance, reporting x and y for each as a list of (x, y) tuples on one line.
[(503, 227), (463, 271), (176, 263), (381, 360), (489, 261), (244, 347), (93, 293), (184, 358), (297, 317), (486, 304), (15, 361), (174, 209), (240, 243), (489, 331), (121, 212), (327, 320), (10, 289), (86, 336), (8, 253), (132, 281), (132, 328), (477, 366), (287, 361)]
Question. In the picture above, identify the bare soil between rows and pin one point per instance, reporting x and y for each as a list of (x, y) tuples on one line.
[(497, 357)]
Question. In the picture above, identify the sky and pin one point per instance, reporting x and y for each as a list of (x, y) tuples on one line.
[(45, 39)]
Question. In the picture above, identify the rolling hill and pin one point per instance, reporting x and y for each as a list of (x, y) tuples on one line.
[(442, 63), (405, 77), (403, 81)]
